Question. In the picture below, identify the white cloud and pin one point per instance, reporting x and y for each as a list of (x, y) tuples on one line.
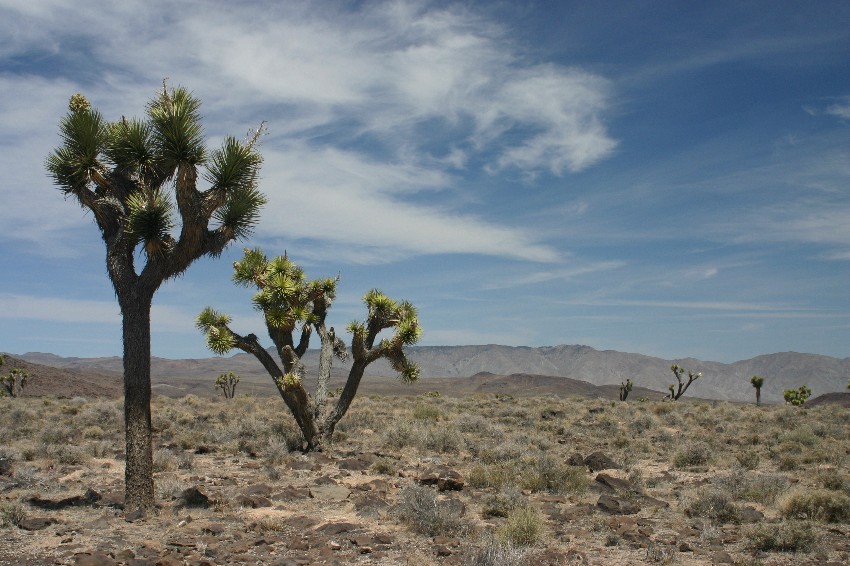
[(840, 109), (402, 82)]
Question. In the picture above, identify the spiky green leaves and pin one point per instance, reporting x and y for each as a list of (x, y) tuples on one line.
[(131, 147), (177, 132), (284, 295), (149, 221), (76, 162), (214, 326)]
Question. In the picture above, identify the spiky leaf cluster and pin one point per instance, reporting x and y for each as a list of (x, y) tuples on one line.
[(119, 171), (214, 326), (284, 295)]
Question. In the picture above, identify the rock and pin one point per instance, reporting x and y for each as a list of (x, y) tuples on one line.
[(599, 461), (722, 557), (552, 414), (616, 505), (444, 478), (259, 489), (336, 528), (194, 497), (290, 493), (88, 498), (214, 529), (253, 501), (575, 459), (615, 483), (357, 464), (750, 515), (330, 492), (36, 523), (94, 559), (5, 467), (134, 516)]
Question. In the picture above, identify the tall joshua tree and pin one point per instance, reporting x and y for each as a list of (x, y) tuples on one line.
[(288, 301), (677, 391), (130, 174), (757, 382)]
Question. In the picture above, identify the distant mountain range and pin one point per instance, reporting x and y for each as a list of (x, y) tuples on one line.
[(823, 374)]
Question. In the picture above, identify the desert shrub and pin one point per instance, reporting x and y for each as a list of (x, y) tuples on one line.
[(421, 509), (833, 479), (385, 466), (275, 453), (495, 476), (788, 463), (168, 489), (477, 424), (492, 452), (803, 435), (58, 433), (399, 435), (496, 553), (93, 432), (694, 454), (714, 505), (747, 486), (426, 412), (790, 536), (817, 504), (502, 503), (164, 460), (440, 438), (748, 459), (524, 526), (11, 514), (641, 424)]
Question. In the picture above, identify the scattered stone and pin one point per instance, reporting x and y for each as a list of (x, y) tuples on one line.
[(750, 515), (616, 505), (444, 478), (134, 516), (357, 464), (213, 529), (94, 559), (599, 461), (616, 484), (88, 498), (194, 497), (36, 523), (331, 529), (722, 557), (5, 467), (259, 489), (330, 492), (290, 493), (252, 501)]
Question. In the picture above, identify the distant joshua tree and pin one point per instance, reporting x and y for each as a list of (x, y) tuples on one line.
[(757, 383), (797, 397), (141, 179), (14, 382), (675, 392), (625, 389), (227, 383), (294, 308)]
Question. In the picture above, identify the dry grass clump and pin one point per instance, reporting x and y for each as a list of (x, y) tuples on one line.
[(524, 526), (790, 536), (421, 509), (817, 504)]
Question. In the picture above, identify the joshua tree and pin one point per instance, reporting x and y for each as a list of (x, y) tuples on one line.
[(227, 383), (675, 392), (288, 301), (625, 389), (757, 383), (797, 397), (124, 173), (14, 382)]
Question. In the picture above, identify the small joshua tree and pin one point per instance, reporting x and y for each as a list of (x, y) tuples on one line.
[(625, 389), (227, 383), (292, 305), (797, 397), (757, 383), (675, 392), (14, 382)]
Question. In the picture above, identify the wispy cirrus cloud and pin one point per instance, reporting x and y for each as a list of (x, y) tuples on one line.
[(393, 96)]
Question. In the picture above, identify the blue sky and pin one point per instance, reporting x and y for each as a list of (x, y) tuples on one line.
[(669, 178)]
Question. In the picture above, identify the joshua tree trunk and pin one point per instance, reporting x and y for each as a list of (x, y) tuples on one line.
[(758, 395), (138, 474)]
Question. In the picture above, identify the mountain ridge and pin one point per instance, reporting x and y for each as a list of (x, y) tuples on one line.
[(723, 381)]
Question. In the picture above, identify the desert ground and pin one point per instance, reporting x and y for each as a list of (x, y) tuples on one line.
[(432, 478)]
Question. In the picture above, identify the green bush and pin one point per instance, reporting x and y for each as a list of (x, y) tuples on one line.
[(523, 527), (817, 504), (791, 536)]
